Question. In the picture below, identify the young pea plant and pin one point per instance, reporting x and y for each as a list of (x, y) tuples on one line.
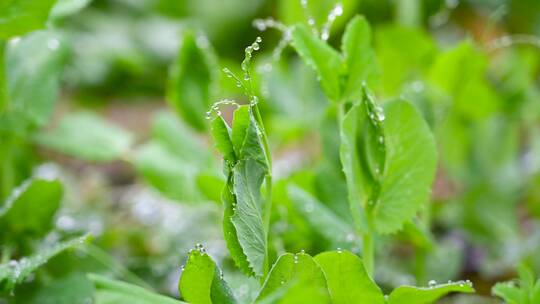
[(329, 277)]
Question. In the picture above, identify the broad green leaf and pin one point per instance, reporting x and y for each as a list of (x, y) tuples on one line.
[(321, 219), (87, 136), (247, 218), (293, 272), (15, 272), (359, 58), (426, 295), (167, 172), (527, 292), (110, 291), (320, 56), (18, 17), (348, 281), (411, 158), (29, 211), (32, 73), (192, 80), (202, 282)]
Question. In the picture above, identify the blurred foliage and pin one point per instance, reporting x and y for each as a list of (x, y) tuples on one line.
[(103, 131)]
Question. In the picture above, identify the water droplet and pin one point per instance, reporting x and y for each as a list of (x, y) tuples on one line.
[(339, 250), (53, 44), (256, 46), (258, 39), (311, 21), (432, 283)]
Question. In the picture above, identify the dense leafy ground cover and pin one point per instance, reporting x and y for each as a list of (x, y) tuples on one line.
[(353, 152)]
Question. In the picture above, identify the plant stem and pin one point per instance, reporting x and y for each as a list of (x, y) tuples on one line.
[(368, 253), (3, 85)]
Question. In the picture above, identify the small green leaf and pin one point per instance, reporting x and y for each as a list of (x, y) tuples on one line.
[(32, 72), (321, 219), (359, 58), (110, 291), (222, 137), (411, 158), (18, 17), (426, 295), (202, 281), (248, 176), (294, 272), (29, 211), (192, 80), (87, 136), (167, 172), (320, 56), (348, 281), (15, 272), (511, 293), (246, 136)]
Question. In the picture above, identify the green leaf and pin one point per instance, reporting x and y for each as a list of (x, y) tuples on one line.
[(321, 219), (363, 155), (359, 58), (222, 137), (348, 281), (511, 293), (15, 272), (246, 136), (29, 211), (229, 231), (202, 281), (73, 288), (411, 158), (246, 169), (87, 136), (110, 291), (292, 273), (18, 17), (460, 72), (404, 54), (167, 172), (192, 80), (320, 56), (32, 72), (248, 176), (426, 295)]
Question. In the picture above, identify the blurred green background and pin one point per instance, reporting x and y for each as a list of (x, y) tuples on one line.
[(110, 97)]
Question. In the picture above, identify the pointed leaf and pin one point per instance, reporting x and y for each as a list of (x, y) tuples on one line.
[(192, 80), (15, 272), (29, 211), (359, 57), (202, 282), (292, 273), (348, 281), (320, 56)]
